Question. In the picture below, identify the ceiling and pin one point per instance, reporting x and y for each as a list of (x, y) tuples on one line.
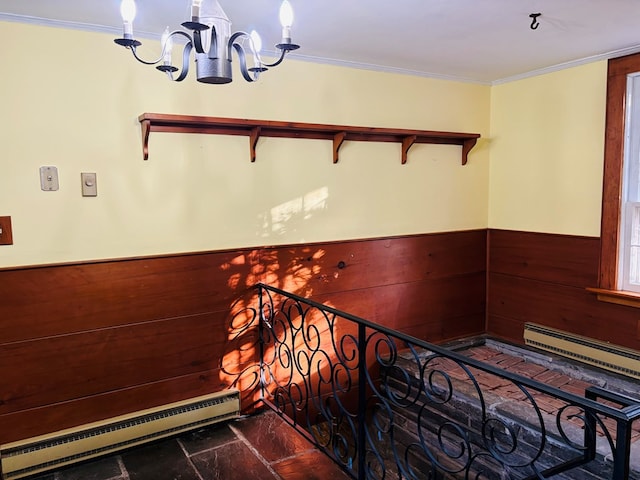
[(484, 41)]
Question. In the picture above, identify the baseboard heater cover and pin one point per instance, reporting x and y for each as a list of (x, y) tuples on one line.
[(583, 349), (51, 451)]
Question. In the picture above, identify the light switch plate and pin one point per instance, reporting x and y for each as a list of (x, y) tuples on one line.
[(49, 179), (6, 235), (89, 185)]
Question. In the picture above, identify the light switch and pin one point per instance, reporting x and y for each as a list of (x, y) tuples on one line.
[(49, 179), (89, 186)]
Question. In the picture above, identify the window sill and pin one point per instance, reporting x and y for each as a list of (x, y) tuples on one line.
[(620, 297)]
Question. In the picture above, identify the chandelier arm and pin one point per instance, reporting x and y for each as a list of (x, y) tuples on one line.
[(133, 51), (197, 41), (186, 54), (232, 43), (278, 62), (175, 32), (243, 64)]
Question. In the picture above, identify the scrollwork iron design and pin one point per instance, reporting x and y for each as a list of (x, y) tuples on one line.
[(385, 405)]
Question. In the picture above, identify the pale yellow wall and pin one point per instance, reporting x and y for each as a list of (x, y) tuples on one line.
[(71, 99), (547, 145)]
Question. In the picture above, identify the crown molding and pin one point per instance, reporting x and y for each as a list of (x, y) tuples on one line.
[(336, 62)]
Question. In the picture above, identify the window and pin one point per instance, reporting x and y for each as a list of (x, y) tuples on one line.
[(629, 241), (620, 231)]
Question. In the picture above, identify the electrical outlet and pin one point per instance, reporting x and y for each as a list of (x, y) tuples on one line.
[(6, 235)]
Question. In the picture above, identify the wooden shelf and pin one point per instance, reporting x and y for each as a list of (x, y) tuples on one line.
[(254, 129)]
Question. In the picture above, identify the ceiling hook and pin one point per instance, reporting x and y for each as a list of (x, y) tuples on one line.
[(534, 21)]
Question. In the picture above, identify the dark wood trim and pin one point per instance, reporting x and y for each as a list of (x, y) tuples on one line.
[(629, 299), (619, 68), (6, 233)]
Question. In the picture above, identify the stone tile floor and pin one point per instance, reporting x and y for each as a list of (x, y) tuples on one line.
[(261, 447)]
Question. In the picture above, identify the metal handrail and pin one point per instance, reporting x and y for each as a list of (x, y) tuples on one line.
[(316, 401)]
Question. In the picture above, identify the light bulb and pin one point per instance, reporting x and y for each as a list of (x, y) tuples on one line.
[(256, 41), (286, 19), (286, 14), (195, 9), (256, 45), (128, 12), (167, 46)]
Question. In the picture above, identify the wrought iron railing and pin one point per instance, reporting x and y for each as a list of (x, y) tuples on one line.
[(385, 405)]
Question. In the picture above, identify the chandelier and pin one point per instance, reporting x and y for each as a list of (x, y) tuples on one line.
[(211, 38)]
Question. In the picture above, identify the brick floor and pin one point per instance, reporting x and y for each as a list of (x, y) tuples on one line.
[(540, 373)]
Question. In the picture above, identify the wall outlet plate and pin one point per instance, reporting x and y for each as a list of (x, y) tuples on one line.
[(6, 235), (49, 179)]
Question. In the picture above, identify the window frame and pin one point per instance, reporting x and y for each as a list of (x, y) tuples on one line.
[(618, 69)]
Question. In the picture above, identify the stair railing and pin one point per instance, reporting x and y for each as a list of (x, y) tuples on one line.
[(383, 404)]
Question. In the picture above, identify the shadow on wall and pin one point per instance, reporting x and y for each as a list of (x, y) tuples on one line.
[(239, 367), (293, 274)]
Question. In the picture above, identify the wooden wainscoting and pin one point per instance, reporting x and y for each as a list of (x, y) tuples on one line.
[(84, 342), (428, 286), (542, 278)]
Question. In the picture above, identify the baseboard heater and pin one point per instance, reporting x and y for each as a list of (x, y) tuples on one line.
[(51, 451), (594, 352)]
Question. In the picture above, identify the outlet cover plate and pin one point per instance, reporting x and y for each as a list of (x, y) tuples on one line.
[(6, 235), (49, 179)]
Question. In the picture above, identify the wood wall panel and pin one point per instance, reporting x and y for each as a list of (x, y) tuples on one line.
[(566, 308), (84, 342), (58, 300), (52, 417), (62, 368), (560, 259), (542, 278), (428, 309), (317, 269)]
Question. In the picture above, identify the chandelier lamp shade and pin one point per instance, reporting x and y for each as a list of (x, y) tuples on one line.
[(208, 35)]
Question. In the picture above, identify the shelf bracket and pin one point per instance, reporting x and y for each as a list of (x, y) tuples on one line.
[(254, 136), (146, 129), (338, 140), (467, 145), (407, 143)]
